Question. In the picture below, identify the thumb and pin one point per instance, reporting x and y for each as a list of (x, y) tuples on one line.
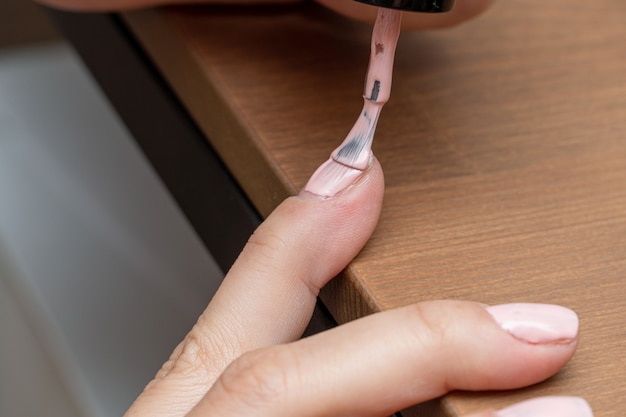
[(271, 290), (269, 294)]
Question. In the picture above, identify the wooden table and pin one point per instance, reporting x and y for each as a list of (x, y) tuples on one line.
[(504, 149)]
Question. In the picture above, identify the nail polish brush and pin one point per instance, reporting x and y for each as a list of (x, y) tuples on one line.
[(355, 151), (354, 154)]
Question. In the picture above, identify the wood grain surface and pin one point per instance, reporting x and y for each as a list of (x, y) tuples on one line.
[(504, 149)]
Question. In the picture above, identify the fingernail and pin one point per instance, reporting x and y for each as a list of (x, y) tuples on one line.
[(331, 178), (537, 323), (548, 407)]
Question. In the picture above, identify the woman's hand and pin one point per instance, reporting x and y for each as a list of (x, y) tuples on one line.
[(243, 357), (463, 10)]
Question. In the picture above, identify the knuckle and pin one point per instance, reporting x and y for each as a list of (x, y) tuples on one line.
[(433, 327), (260, 377), (265, 247), (194, 353), (203, 355)]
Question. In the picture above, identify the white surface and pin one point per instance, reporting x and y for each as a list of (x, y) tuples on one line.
[(102, 261)]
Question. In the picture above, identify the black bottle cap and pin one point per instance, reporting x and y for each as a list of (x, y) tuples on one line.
[(428, 6)]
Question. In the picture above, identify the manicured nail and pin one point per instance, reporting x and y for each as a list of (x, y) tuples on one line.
[(548, 407), (331, 178), (537, 323)]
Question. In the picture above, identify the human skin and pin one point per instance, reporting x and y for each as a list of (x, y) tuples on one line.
[(244, 356)]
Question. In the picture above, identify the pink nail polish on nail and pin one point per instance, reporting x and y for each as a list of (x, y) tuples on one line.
[(556, 406), (537, 323), (331, 178)]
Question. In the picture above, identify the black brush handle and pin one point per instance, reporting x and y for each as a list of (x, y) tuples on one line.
[(427, 6)]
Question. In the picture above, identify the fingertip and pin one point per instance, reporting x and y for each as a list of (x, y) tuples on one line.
[(345, 219), (485, 354)]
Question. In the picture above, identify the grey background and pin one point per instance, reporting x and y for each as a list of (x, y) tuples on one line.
[(100, 274)]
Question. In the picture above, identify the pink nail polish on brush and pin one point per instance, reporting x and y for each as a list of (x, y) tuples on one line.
[(353, 156), (556, 406), (356, 148)]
